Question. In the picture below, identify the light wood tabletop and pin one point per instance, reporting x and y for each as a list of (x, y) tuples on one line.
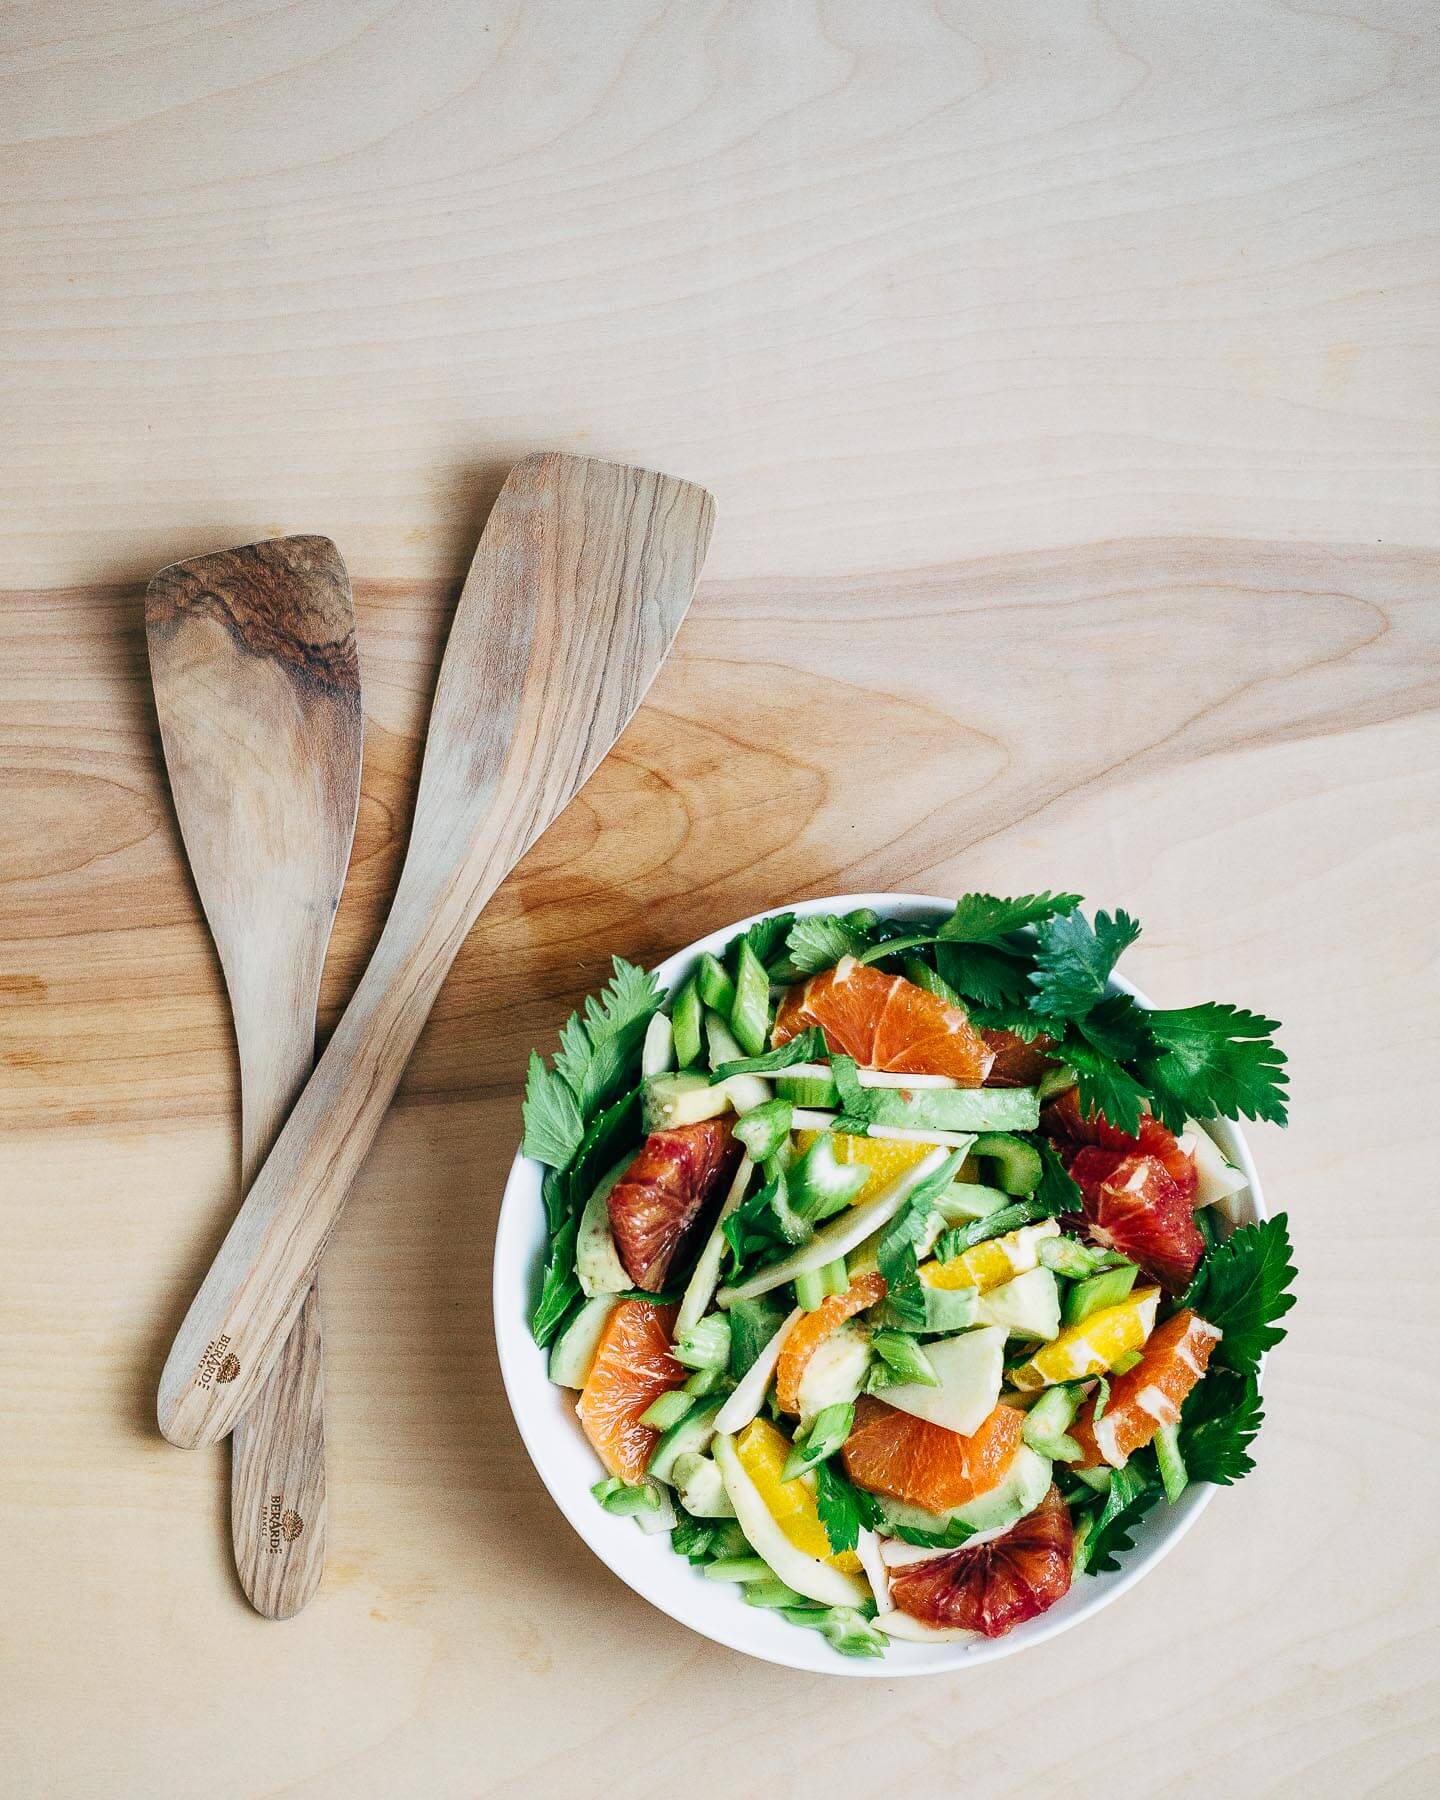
[(1066, 380)]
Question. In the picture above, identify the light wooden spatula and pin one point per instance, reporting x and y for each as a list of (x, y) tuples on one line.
[(578, 587), (257, 687)]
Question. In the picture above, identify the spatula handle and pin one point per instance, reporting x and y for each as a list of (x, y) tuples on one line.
[(257, 1285), (277, 1455), (582, 576), (277, 1477)]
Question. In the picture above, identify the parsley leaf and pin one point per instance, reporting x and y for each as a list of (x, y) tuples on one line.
[(1131, 1495), (843, 1507), (595, 1054), (819, 941), (553, 1125), (1243, 1287), (1074, 961), (1218, 1423), (1215, 1060), (986, 919)]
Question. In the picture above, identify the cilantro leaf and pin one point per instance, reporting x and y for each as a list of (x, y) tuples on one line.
[(808, 1046), (766, 937), (752, 1325), (895, 1255), (843, 1507), (1118, 1028), (559, 1286), (1242, 1285), (553, 1125), (1105, 1087), (595, 1054), (960, 1238), (1218, 1423), (986, 919), (763, 1226), (706, 1540), (1215, 1061), (555, 1193), (819, 941), (1074, 961), (1057, 1192), (981, 973), (951, 1538), (608, 1135), (984, 922), (1131, 1495), (1009, 1017)]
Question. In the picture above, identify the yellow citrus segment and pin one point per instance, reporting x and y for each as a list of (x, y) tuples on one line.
[(762, 1451), (1093, 1346), (885, 1158), (996, 1261)]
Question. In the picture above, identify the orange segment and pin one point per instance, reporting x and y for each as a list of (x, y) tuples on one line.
[(632, 1367), (1094, 1345), (992, 1262), (885, 1158), (889, 1452), (1149, 1395), (886, 1022), (762, 1451), (810, 1329)]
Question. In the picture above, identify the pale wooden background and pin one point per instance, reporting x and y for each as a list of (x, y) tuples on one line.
[(1066, 375)]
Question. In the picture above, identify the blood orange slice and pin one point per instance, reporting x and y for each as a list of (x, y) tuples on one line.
[(663, 1192), (1016, 1064), (886, 1022), (1133, 1206), (1149, 1395), (812, 1328), (1065, 1119), (632, 1367), (890, 1452), (994, 1586)]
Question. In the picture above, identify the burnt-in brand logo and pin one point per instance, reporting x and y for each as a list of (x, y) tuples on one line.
[(282, 1525), (216, 1364)]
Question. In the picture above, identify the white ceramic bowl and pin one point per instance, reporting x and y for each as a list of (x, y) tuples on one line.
[(567, 1465)]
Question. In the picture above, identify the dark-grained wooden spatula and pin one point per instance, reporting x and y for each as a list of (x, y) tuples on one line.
[(579, 585), (252, 652)]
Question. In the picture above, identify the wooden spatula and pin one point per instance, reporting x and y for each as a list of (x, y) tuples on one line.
[(258, 691), (579, 585)]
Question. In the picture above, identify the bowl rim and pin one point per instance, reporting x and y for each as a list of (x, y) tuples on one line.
[(648, 1564)]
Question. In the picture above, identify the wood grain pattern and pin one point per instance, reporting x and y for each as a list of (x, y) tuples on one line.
[(1065, 378), (257, 690), (1273, 797), (583, 574)]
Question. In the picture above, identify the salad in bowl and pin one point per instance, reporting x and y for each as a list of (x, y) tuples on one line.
[(898, 1270)]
